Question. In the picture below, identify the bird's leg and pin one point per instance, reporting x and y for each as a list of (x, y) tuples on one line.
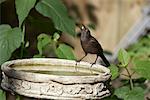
[(81, 58), (94, 61)]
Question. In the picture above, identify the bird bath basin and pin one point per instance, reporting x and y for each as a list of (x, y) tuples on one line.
[(55, 79)]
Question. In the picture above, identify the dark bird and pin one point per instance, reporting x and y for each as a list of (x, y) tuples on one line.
[(91, 45)]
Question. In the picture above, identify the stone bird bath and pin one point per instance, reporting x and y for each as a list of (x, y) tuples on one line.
[(55, 79)]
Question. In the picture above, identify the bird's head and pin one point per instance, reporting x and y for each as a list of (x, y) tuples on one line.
[(84, 30), (82, 27)]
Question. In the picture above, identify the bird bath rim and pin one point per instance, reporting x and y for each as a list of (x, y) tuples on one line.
[(100, 73), (62, 87)]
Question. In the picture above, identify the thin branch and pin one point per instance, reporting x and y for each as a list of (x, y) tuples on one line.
[(133, 73), (125, 75)]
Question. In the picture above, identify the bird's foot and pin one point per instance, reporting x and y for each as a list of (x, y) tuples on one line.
[(93, 64), (77, 61)]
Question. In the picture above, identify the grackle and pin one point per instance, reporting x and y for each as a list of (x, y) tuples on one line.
[(91, 45)]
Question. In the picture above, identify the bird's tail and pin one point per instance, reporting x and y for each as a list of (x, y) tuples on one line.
[(105, 60)]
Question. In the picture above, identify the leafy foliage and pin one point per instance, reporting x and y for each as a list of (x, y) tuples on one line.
[(114, 71), (18, 97), (137, 93), (23, 8), (2, 95), (128, 91), (123, 57), (122, 92), (141, 49), (142, 67), (13, 38), (10, 39), (55, 10), (139, 53), (43, 40), (56, 36), (64, 51)]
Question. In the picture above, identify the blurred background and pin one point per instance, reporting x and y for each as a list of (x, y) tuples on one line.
[(108, 20)]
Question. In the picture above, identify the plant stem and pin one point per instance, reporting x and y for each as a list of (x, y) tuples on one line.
[(130, 78), (22, 42), (22, 47), (131, 83)]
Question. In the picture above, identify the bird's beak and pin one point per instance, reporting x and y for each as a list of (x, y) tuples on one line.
[(81, 26)]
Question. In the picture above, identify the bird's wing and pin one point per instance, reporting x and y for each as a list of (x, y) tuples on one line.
[(95, 44)]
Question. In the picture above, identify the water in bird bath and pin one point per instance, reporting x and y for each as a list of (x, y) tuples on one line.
[(56, 69), (64, 73)]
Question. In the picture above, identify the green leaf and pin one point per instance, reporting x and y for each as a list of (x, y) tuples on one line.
[(142, 67), (2, 95), (10, 39), (122, 92), (23, 8), (123, 57), (43, 40), (65, 51), (114, 71), (55, 10), (38, 56), (137, 93), (18, 97), (141, 49), (56, 36)]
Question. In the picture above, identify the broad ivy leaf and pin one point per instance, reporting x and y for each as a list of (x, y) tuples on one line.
[(23, 8), (65, 51), (137, 93), (114, 71), (142, 67), (43, 40), (55, 10), (2, 95), (123, 57), (10, 39)]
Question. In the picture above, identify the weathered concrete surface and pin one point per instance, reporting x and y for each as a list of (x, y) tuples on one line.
[(52, 86)]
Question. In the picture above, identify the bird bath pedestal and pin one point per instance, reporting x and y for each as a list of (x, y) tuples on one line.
[(55, 79)]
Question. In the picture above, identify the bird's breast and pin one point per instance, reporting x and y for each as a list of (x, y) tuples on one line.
[(88, 47)]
